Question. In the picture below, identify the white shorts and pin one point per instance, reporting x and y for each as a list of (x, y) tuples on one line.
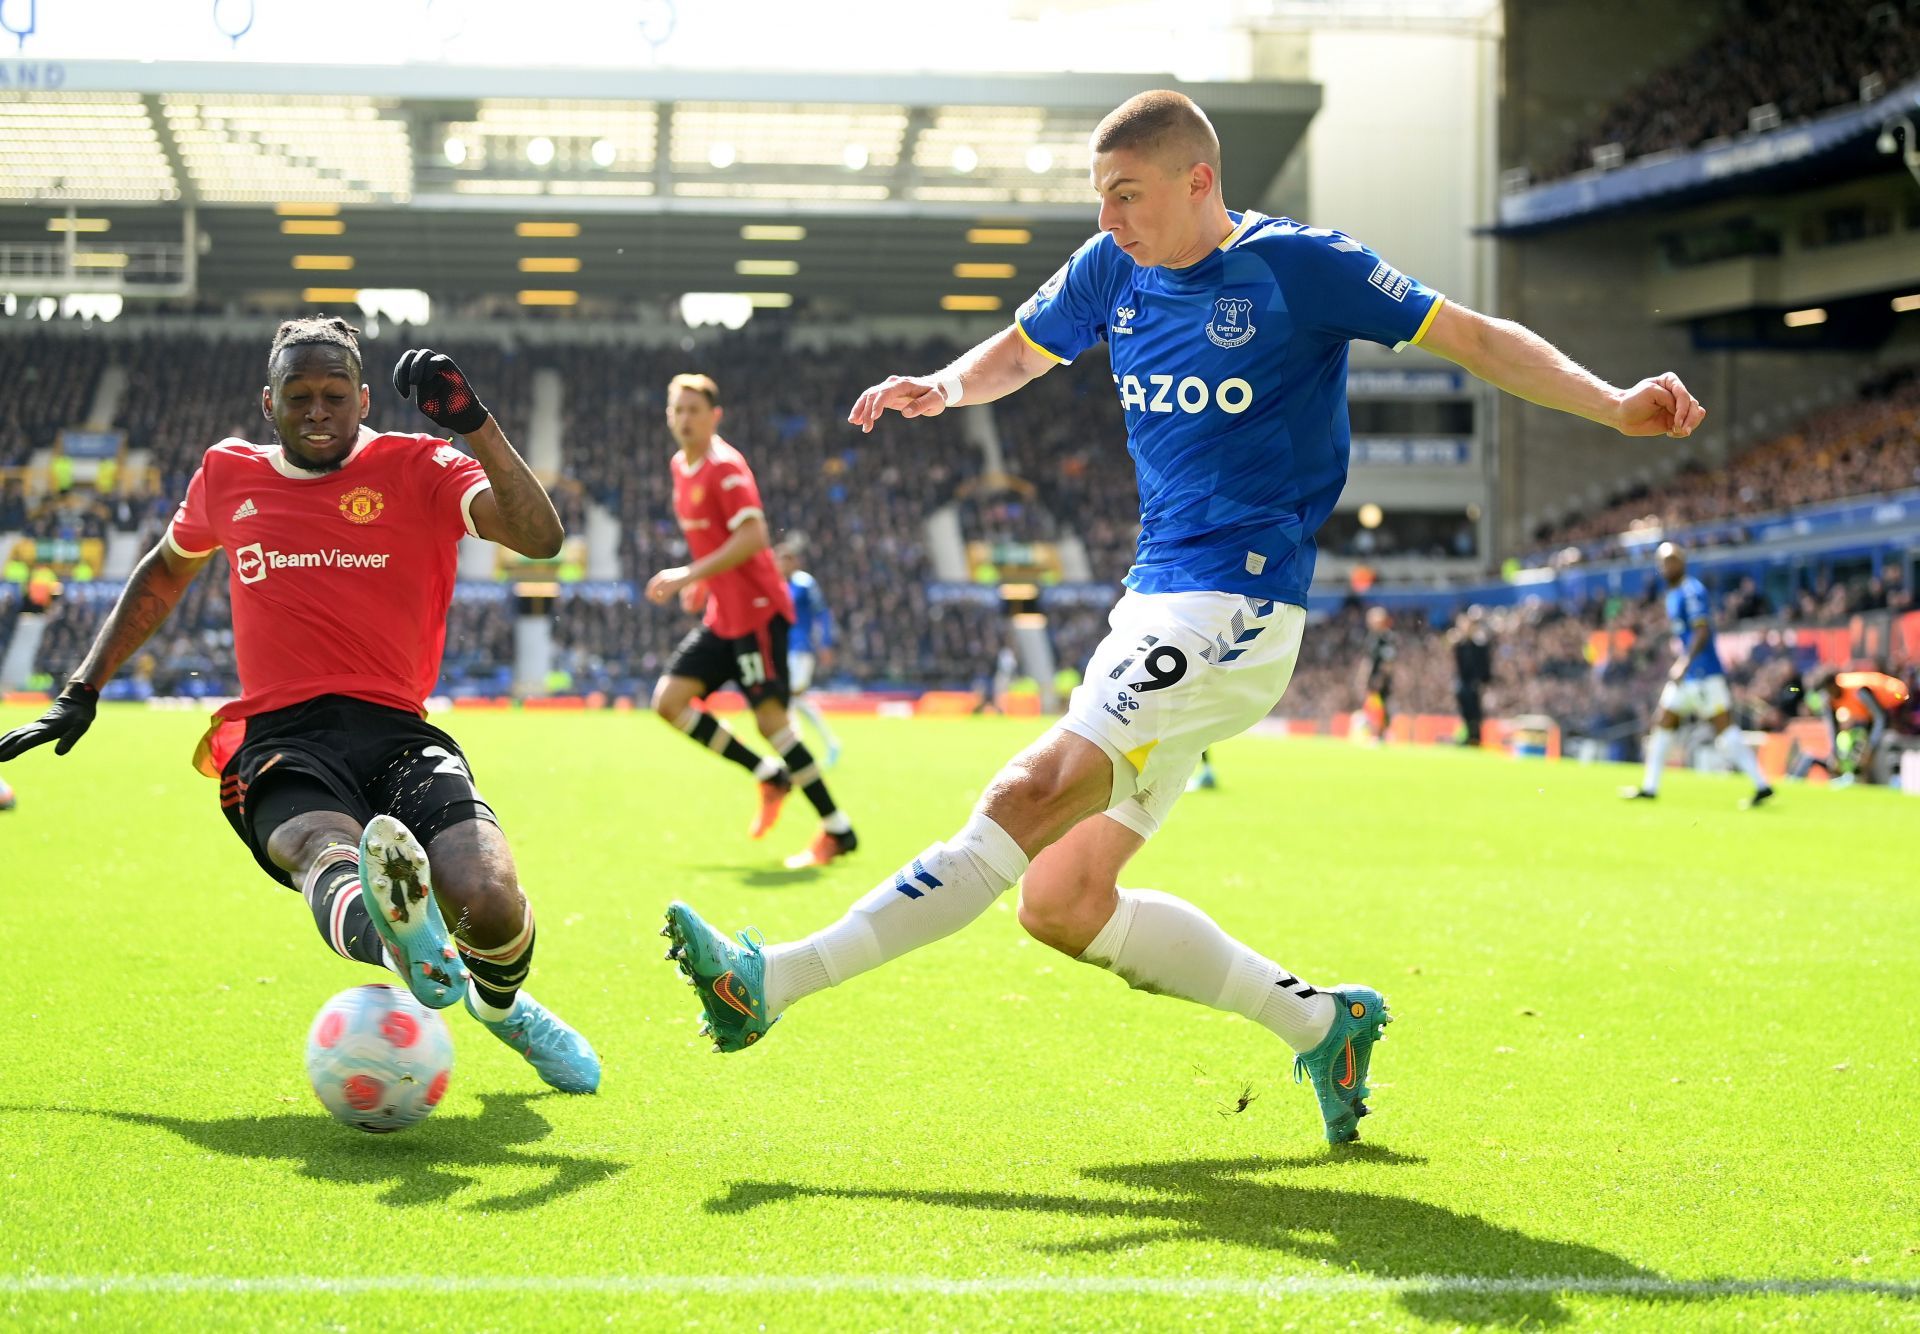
[(1179, 672), (799, 673), (1701, 697)]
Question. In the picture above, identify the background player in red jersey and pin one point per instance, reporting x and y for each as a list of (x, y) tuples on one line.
[(341, 542), (743, 637)]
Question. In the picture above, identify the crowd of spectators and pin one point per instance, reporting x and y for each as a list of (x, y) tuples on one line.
[(1869, 446), (1596, 669), (49, 381), (1803, 56)]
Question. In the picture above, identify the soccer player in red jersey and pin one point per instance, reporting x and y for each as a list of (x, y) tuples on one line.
[(743, 636), (341, 546)]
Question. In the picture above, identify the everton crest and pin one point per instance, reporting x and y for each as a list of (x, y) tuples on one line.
[(1232, 322)]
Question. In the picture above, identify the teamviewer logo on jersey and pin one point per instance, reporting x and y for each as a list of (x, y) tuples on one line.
[(1232, 322), (250, 563)]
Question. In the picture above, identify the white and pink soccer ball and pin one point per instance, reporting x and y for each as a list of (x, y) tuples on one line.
[(378, 1059)]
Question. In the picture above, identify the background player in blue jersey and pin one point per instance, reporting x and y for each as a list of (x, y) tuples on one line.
[(1697, 685), (810, 642), (1229, 336)]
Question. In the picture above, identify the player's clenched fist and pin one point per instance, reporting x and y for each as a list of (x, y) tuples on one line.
[(908, 395), (439, 389), (65, 722)]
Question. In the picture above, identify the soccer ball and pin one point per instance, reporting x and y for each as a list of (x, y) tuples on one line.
[(378, 1059), (6, 796)]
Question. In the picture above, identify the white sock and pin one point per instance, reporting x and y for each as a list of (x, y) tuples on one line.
[(1658, 744), (769, 768), (807, 710), (1156, 942), (493, 1014), (933, 895), (1735, 747)]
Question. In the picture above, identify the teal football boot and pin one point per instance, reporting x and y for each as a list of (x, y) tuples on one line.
[(730, 978), (398, 890), (561, 1057), (1339, 1065)]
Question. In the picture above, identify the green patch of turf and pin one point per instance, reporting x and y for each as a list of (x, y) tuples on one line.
[(1650, 1058)]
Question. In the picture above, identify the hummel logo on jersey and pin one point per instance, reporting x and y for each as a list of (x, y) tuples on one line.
[(1123, 319), (246, 510)]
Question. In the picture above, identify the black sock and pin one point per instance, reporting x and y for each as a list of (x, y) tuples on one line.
[(706, 729), (806, 774), (494, 979), (340, 911)]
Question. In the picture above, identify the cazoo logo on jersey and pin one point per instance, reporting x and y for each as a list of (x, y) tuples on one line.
[(1167, 393), (253, 562)]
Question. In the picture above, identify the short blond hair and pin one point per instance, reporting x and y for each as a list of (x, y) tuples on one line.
[(700, 384), (1160, 123)]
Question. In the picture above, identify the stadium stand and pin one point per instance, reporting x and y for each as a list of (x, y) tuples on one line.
[(1863, 448), (1802, 57)]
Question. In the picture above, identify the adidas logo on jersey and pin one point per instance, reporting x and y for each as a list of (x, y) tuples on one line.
[(246, 510)]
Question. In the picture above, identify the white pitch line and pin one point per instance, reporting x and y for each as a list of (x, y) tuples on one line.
[(1305, 1285)]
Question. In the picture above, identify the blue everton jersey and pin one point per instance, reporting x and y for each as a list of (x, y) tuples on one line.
[(812, 622), (1233, 377), (1686, 605)]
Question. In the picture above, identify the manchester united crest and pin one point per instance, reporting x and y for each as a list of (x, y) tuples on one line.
[(362, 504), (699, 494)]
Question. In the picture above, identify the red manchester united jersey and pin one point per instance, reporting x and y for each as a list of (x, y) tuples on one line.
[(340, 580), (711, 499)]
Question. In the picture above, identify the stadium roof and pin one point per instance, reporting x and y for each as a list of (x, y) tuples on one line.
[(892, 193)]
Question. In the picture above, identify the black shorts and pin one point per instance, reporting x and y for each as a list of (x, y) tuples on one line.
[(335, 753), (757, 663)]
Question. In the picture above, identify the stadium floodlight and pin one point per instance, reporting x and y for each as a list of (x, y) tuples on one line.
[(548, 297), (562, 231), (335, 263), (1801, 319), (1370, 515), (540, 150), (78, 224), (1039, 159), (998, 236), (604, 152), (454, 150), (730, 310), (983, 270), (960, 301), (766, 268), (760, 231), (550, 264), (308, 210), (312, 227), (965, 159), (1903, 304), (855, 156), (720, 156), (330, 296)]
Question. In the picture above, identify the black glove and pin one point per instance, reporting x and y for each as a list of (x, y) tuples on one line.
[(439, 389), (66, 722)]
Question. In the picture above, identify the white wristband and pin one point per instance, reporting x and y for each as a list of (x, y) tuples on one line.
[(949, 387)]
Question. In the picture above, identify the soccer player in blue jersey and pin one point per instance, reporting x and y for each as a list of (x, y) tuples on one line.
[(809, 643), (1696, 686), (1228, 335)]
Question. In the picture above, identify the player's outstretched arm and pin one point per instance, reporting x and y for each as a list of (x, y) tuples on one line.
[(992, 369), (516, 510), (151, 594), (1512, 357)]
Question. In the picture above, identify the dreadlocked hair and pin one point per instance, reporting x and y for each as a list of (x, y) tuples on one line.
[(317, 329)]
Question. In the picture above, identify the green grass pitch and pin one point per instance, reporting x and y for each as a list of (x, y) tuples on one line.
[(1654, 1066)]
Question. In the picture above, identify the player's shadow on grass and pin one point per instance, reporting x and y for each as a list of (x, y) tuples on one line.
[(427, 1164), (1232, 1200), (765, 877)]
